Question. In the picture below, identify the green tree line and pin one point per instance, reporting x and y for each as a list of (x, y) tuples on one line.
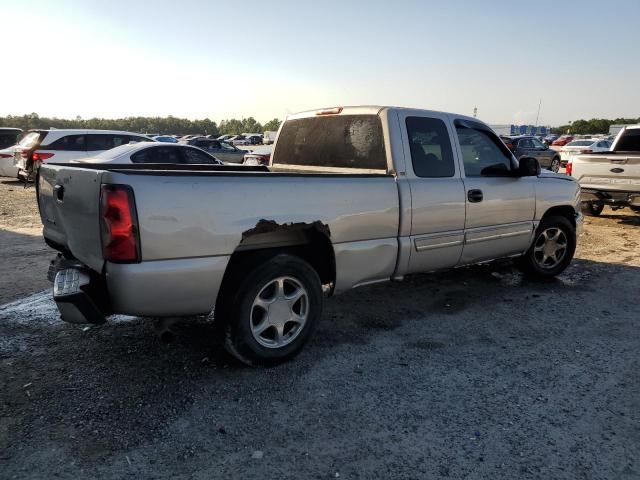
[(162, 125), (595, 125)]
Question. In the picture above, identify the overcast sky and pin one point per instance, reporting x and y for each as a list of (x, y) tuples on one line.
[(268, 58)]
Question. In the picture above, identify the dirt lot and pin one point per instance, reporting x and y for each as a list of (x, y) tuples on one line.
[(474, 373)]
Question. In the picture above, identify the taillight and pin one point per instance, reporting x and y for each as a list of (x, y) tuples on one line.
[(330, 111), (41, 156), (510, 146), (569, 168), (119, 224), (5, 155), (25, 152), (586, 151)]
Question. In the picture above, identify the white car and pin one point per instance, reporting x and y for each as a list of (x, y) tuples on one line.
[(269, 137), (8, 140), (66, 145), (578, 147), (7, 168), (156, 152)]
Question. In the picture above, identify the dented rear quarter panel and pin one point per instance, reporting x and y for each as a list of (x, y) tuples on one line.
[(203, 216)]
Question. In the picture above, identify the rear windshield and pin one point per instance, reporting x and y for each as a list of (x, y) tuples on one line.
[(341, 141), (31, 139), (629, 141), (580, 143)]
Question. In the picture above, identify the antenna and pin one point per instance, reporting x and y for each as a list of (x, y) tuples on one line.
[(538, 114)]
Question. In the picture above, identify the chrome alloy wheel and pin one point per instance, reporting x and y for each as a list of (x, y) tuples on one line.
[(555, 165), (279, 312), (550, 248)]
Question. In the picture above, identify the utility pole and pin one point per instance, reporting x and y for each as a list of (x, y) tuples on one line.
[(538, 114), (475, 112)]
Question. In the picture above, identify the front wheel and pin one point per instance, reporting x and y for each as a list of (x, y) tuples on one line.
[(274, 311), (555, 165), (552, 249)]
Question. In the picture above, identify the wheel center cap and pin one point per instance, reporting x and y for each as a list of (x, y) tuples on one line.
[(550, 248), (279, 312)]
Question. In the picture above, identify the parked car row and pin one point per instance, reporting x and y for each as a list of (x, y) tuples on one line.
[(22, 158), (66, 145), (220, 149), (529, 146)]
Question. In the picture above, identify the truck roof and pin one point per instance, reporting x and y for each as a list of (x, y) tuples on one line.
[(368, 110)]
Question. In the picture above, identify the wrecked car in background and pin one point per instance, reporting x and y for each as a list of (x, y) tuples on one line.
[(352, 196)]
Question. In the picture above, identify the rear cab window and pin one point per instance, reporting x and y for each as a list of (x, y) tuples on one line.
[(430, 145), (629, 141), (340, 143)]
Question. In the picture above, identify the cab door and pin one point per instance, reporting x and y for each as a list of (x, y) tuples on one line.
[(437, 191), (500, 206)]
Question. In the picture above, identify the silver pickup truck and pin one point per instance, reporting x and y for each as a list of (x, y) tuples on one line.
[(610, 178), (352, 196)]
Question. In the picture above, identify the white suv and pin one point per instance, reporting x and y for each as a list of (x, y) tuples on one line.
[(63, 146)]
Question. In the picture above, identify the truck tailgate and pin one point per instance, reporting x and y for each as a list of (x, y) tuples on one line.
[(608, 171), (68, 198)]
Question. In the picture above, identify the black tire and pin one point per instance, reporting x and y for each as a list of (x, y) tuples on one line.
[(532, 265), (635, 209), (593, 209), (555, 165), (238, 310)]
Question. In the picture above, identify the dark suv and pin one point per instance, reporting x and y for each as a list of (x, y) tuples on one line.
[(528, 146)]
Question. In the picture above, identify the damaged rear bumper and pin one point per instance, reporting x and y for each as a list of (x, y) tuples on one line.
[(77, 292)]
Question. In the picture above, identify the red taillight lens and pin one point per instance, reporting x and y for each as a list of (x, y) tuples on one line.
[(330, 111), (569, 168), (6, 155), (586, 151), (510, 146), (119, 224), (41, 156)]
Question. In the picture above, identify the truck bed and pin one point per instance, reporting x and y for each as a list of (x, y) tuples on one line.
[(192, 219)]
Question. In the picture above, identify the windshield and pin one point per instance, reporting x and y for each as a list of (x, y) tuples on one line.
[(580, 143)]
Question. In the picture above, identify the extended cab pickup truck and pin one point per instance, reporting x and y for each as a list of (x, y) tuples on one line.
[(352, 196), (610, 178)]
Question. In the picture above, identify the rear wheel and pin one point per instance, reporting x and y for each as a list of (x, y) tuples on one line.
[(593, 209), (273, 312), (552, 249)]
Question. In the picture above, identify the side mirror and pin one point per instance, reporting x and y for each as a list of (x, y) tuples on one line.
[(528, 167)]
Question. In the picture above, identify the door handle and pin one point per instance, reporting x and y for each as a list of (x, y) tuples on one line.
[(475, 196)]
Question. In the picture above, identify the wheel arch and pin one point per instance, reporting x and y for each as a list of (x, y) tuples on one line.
[(566, 211), (309, 241)]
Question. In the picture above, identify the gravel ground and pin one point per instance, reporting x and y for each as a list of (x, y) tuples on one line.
[(473, 373)]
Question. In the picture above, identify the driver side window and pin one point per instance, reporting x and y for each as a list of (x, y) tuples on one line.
[(481, 153), (537, 143)]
